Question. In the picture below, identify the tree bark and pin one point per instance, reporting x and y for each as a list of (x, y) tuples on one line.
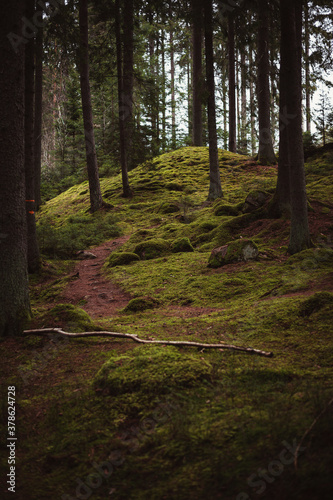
[(33, 256), (121, 105), (215, 190), (173, 99), (38, 114), (266, 151), (299, 231), (96, 201), (14, 294), (307, 70), (232, 84), (252, 106), (243, 103), (128, 78), (197, 72), (280, 204)]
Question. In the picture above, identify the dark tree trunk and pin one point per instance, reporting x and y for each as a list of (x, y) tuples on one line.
[(38, 114), (307, 70), (232, 84), (14, 294), (299, 232), (243, 103), (197, 71), (173, 99), (215, 190), (121, 105), (29, 162), (281, 201), (266, 151), (128, 78), (252, 106), (96, 201), (164, 132)]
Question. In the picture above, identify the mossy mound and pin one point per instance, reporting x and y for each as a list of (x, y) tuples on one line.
[(316, 302), (70, 317), (235, 251), (312, 258), (168, 207), (141, 304), (151, 249), (151, 370), (121, 259), (182, 245), (225, 209)]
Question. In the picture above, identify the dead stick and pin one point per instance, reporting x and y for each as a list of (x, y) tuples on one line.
[(135, 338)]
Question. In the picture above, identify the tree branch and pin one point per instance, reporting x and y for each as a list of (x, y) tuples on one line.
[(135, 338)]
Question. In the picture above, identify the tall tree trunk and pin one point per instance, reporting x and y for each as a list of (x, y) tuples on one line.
[(14, 293), (299, 231), (164, 133), (197, 71), (121, 105), (96, 201), (29, 163), (215, 190), (243, 103), (307, 69), (280, 204), (173, 99), (38, 114), (252, 106), (232, 84), (128, 78), (266, 151)]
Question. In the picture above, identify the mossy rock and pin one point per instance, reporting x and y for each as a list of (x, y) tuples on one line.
[(141, 235), (169, 207), (254, 200), (151, 370), (316, 302), (71, 317), (207, 226), (141, 304), (225, 209), (121, 259), (182, 245), (235, 251), (151, 249)]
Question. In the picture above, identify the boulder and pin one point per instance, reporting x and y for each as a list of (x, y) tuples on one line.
[(83, 254), (255, 199), (182, 245), (235, 251)]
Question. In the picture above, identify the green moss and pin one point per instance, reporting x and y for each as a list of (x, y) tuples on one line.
[(141, 304), (151, 249), (316, 302), (168, 207), (121, 259), (182, 245), (225, 209), (69, 316), (152, 370)]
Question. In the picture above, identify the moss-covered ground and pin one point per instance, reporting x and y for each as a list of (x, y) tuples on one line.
[(104, 418)]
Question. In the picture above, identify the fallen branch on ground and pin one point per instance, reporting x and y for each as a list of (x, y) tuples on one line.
[(135, 338)]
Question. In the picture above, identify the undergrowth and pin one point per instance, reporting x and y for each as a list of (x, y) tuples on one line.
[(100, 417)]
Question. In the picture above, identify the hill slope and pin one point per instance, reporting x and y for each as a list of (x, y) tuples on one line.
[(162, 422)]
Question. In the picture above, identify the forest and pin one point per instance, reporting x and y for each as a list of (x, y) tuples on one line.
[(166, 254)]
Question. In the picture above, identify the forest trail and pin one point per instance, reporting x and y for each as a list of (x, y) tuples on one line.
[(98, 296)]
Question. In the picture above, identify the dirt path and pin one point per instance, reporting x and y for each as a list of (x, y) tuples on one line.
[(98, 296)]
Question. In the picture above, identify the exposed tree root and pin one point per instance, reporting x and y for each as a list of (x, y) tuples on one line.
[(135, 338)]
